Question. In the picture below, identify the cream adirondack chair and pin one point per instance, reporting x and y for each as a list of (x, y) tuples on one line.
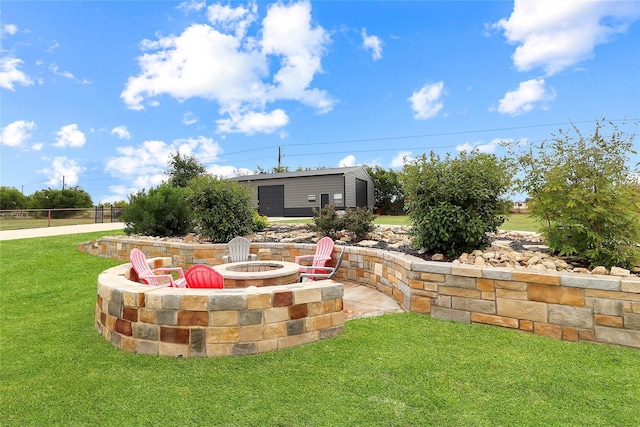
[(324, 250), (148, 274), (325, 273), (239, 251)]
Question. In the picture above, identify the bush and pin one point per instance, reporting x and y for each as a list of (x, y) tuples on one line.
[(222, 209), (326, 221), (359, 222), (582, 188), (260, 222), (453, 203), (161, 212)]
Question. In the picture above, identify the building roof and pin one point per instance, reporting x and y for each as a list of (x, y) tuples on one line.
[(314, 172)]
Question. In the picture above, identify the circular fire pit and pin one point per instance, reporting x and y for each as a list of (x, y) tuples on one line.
[(258, 273)]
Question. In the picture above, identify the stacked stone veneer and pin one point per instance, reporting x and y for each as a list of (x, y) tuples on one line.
[(566, 306), (214, 322)]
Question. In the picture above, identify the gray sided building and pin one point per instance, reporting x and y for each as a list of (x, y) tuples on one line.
[(291, 194)]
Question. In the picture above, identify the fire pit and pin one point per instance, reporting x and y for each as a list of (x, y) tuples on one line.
[(258, 273)]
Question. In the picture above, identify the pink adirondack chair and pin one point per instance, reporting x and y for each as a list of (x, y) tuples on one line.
[(325, 273), (148, 275), (203, 276), (324, 249)]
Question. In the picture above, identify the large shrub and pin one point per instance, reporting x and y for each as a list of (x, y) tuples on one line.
[(584, 191), (69, 198), (328, 222), (12, 198), (223, 209), (160, 212), (454, 202)]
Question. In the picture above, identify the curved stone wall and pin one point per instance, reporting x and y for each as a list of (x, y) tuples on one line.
[(214, 322), (566, 306)]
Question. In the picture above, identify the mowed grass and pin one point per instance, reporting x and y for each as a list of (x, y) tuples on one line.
[(518, 222), (395, 370)]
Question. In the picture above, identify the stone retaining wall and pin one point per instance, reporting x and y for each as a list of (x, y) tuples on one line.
[(566, 306), (213, 322)]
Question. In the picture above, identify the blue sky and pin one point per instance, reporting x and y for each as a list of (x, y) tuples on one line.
[(100, 93)]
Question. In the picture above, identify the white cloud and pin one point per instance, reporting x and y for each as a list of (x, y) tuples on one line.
[(16, 133), (9, 73), (122, 132), (228, 171), (56, 70), (253, 122), (348, 161), (426, 103), (144, 166), (193, 5), (53, 47), (220, 62), (189, 118), (287, 32), (554, 34), (70, 136), (10, 29), (236, 20), (62, 170), (488, 148), (373, 43), (401, 158), (526, 97)]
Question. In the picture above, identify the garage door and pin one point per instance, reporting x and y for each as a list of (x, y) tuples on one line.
[(361, 193), (271, 200)]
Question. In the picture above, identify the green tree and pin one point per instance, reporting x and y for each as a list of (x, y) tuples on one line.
[(182, 169), (584, 190), (387, 190), (454, 202), (223, 209), (160, 212), (12, 198), (74, 197)]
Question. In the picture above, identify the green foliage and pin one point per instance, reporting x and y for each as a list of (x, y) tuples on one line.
[(160, 212), (74, 197), (388, 190), (328, 222), (223, 209), (12, 198), (453, 203), (584, 191), (374, 374), (359, 221), (260, 222), (183, 169)]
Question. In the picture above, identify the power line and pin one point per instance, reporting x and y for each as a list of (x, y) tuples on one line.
[(218, 160)]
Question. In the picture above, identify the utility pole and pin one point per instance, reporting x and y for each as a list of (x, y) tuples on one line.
[(279, 157), (62, 182)]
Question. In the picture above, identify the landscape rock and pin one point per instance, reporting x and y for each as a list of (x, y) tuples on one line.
[(509, 249)]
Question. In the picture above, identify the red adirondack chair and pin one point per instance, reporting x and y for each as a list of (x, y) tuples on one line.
[(203, 276), (149, 275)]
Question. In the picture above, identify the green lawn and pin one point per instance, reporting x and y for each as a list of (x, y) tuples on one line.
[(402, 370), (519, 222)]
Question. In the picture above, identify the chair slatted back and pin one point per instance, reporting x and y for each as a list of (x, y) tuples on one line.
[(239, 249), (203, 276), (139, 263)]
